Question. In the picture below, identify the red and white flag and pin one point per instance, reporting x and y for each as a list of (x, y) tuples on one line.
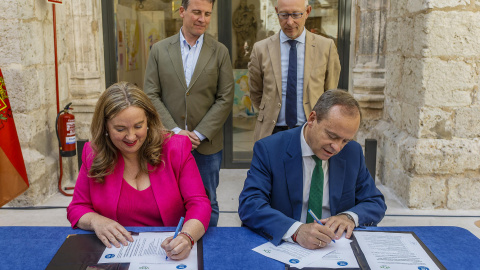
[(13, 176)]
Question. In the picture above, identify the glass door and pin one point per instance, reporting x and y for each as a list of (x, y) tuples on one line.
[(252, 21), (131, 27), (138, 25)]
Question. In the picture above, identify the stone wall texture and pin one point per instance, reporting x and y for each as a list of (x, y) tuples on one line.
[(429, 135), (416, 73), (28, 65), (368, 74)]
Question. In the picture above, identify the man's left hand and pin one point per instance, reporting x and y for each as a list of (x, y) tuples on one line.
[(340, 224)]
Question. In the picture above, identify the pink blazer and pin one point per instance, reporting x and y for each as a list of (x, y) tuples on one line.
[(176, 183)]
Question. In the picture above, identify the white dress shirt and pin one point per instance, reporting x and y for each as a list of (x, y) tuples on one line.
[(308, 164)]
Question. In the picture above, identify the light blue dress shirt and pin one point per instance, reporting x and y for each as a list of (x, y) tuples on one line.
[(189, 55), (189, 59), (284, 52)]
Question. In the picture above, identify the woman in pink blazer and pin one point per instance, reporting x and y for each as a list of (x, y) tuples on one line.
[(136, 173)]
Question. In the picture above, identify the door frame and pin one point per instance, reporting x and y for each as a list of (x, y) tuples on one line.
[(225, 36)]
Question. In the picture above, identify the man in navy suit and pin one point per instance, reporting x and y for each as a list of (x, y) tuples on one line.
[(276, 194)]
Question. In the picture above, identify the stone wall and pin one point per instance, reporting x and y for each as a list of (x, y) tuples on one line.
[(429, 148), (368, 74), (416, 72), (27, 62)]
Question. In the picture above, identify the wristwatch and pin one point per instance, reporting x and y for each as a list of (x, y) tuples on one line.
[(348, 216)]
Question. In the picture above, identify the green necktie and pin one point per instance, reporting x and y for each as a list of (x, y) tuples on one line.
[(316, 190)]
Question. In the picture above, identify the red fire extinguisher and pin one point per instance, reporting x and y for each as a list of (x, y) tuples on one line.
[(65, 128)]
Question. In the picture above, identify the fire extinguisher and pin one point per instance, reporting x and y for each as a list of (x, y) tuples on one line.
[(65, 128)]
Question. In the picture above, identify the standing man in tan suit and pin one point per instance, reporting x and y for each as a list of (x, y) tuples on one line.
[(189, 79), (290, 70)]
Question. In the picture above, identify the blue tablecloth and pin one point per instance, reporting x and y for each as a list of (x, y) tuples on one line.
[(226, 248)]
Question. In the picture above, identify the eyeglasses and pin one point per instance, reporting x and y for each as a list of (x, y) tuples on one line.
[(284, 16)]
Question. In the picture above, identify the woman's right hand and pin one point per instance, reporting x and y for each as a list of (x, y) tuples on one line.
[(178, 248), (110, 231)]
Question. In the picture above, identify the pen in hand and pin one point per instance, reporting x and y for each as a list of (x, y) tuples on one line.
[(179, 226), (316, 219)]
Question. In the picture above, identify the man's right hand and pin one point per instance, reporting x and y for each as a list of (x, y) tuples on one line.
[(192, 136), (314, 235)]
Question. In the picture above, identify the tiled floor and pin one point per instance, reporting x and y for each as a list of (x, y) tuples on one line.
[(231, 184)]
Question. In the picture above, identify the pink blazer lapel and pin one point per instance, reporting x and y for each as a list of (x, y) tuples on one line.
[(111, 189), (166, 192)]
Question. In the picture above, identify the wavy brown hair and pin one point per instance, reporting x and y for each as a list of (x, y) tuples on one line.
[(115, 99)]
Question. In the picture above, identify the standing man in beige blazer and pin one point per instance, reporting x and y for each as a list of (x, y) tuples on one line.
[(285, 91), (189, 79)]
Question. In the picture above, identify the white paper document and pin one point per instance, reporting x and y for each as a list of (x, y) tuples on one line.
[(175, 265), (146, 251), (340, 255), (335, 255), (393, 251)]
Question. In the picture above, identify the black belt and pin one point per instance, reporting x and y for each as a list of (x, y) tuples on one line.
[(281, 128)]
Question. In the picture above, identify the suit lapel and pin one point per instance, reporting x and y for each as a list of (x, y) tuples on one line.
[(176, 58), (294, 173), (310, 52), (162, 198), (113, 187), (275, 57), (205, 55), (336, 179)]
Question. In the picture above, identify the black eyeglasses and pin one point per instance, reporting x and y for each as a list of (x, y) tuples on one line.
[(284, 16)]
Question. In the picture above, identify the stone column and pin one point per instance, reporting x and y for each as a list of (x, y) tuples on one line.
[(27, 63), (86, 69), (81, 68), (430, 146), (369, 64)]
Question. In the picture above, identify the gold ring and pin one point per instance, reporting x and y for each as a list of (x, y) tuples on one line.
[(320, 244)]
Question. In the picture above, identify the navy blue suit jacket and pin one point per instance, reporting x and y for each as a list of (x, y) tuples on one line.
[(271, 200)]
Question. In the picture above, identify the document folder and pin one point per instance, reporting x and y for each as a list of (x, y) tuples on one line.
[(82, 252), (362, 262)]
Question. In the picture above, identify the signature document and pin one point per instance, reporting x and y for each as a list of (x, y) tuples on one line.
[(335, 255), (146, 251), (393, 251)]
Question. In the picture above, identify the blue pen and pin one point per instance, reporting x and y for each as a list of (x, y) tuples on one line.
[(179, 226), (316, 219)]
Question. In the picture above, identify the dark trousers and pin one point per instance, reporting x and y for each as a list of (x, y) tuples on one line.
[(209, 167)]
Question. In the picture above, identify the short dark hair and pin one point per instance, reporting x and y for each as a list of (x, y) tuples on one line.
[(186, 2), (336, 97)]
